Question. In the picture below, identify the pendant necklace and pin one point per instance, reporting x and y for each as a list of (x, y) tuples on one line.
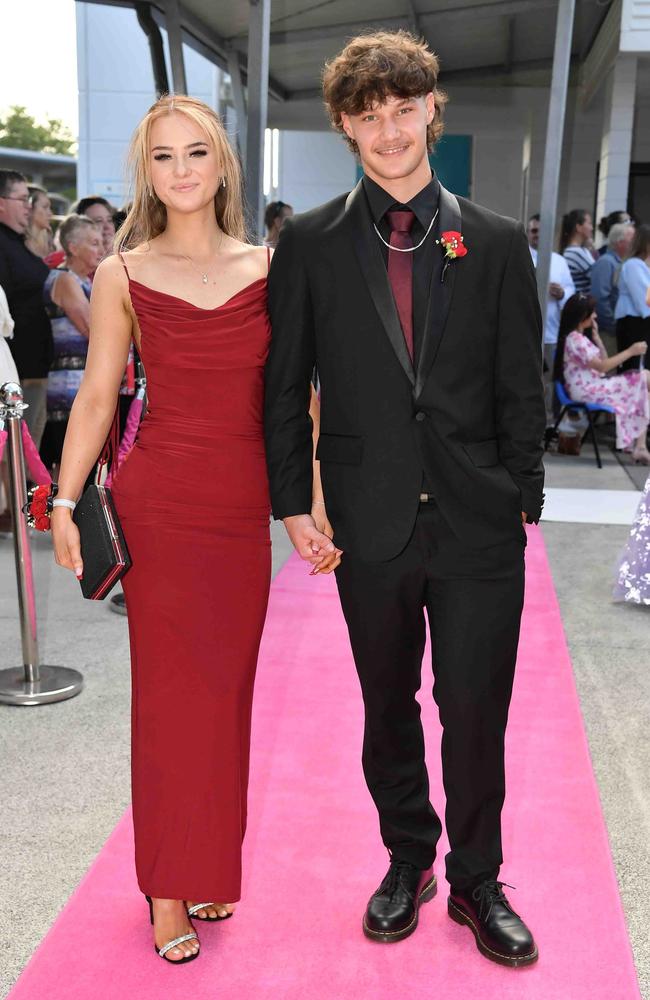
[(407, 249), (204, 274)]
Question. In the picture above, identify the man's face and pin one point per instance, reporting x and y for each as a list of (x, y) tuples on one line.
[(391, 137), (623, 245), (532, 232), (15, 207)]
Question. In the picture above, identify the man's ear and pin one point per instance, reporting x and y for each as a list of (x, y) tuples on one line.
[(345, 122), (430, 103)]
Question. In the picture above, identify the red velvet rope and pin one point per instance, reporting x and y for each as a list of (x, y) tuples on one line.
[(37, 471)]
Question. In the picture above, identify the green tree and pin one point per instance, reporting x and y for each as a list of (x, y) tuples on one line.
[(20, 130)]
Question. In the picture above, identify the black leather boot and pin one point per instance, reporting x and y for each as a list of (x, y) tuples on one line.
[(392, 912), (501, 935)]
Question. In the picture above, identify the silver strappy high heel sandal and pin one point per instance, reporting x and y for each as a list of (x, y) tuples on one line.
[(172, 944), (193, 910)]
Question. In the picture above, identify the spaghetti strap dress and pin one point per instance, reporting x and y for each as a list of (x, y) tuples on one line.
[(192, 498)]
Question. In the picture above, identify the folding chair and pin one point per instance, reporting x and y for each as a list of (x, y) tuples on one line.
[(568, 404)]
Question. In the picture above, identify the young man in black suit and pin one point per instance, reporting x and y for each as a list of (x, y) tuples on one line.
[(419, 311)]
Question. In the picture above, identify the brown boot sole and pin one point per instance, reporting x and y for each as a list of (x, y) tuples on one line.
[(387, 937), (512, 962)]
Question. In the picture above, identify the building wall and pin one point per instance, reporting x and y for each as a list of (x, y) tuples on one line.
[(116, 87), (314, 168)]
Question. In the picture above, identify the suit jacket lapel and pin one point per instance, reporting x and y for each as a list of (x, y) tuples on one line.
[(440, 294), (368, 251)]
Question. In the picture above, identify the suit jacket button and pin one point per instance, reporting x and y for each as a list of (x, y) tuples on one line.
[(420, 415)]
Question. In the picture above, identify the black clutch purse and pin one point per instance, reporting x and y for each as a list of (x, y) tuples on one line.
[(103, 548)]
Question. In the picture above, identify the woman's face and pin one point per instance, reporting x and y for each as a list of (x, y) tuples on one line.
[(185, 169), (104, 219), (588, 321), (87, 249), (586, 229), (41, 211)]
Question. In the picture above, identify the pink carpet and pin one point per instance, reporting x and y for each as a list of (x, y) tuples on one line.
[(313, 854)]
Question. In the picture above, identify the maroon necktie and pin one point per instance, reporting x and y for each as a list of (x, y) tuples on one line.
[(400, 270)]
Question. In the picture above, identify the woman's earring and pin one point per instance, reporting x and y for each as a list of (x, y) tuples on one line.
[(223, 182)]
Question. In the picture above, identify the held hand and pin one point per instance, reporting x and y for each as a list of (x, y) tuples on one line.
[(555, 291), (65, 536), (636, 350), (321, 520), (311, 544), (328, 564)]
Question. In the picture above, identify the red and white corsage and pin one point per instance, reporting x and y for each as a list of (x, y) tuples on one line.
[(453, 245)]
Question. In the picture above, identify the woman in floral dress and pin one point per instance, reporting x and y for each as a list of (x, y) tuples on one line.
[(633, 576), (582, 364)]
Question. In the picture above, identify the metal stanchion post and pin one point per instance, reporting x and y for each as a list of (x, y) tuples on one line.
[(33, 683)]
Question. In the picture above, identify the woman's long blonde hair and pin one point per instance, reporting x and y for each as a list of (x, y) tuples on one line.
[(147, 216)]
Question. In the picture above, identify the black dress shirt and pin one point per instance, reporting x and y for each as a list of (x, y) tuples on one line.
[(424, 206), (22, 276)]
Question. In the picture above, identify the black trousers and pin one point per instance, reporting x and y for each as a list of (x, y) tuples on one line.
[(629, 329), (473, 600)]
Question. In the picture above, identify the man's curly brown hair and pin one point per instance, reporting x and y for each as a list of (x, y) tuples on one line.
[(384, 64)]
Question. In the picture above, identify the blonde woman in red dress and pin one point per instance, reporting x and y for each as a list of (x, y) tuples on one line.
[(193, 501)]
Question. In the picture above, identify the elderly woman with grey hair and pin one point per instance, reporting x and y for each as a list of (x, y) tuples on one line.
[(605, 274), (67, 294)]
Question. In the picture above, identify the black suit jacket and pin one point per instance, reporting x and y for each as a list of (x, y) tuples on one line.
[(472, 415)]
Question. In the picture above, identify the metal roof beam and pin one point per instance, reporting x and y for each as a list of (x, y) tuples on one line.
[(413, 18), (499, 8), (209, 42), (460, 75), (510, 44), (217, 44)]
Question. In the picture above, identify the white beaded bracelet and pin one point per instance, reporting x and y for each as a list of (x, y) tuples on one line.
[(70, 504)]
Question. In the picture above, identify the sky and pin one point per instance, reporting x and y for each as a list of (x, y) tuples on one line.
[(38, 59)]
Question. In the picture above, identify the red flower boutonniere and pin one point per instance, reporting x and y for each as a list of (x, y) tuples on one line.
[(453, 246)]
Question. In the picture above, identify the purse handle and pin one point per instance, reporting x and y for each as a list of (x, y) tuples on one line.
[(109, 455)]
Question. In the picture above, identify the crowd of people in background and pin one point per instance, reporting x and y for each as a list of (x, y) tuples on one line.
[(595, 292), (46, 274)]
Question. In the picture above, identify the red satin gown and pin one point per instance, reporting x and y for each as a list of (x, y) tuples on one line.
[(193, 500)]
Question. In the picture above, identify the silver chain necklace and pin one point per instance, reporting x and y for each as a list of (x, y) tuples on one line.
[(407, 249), (204, 274)]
